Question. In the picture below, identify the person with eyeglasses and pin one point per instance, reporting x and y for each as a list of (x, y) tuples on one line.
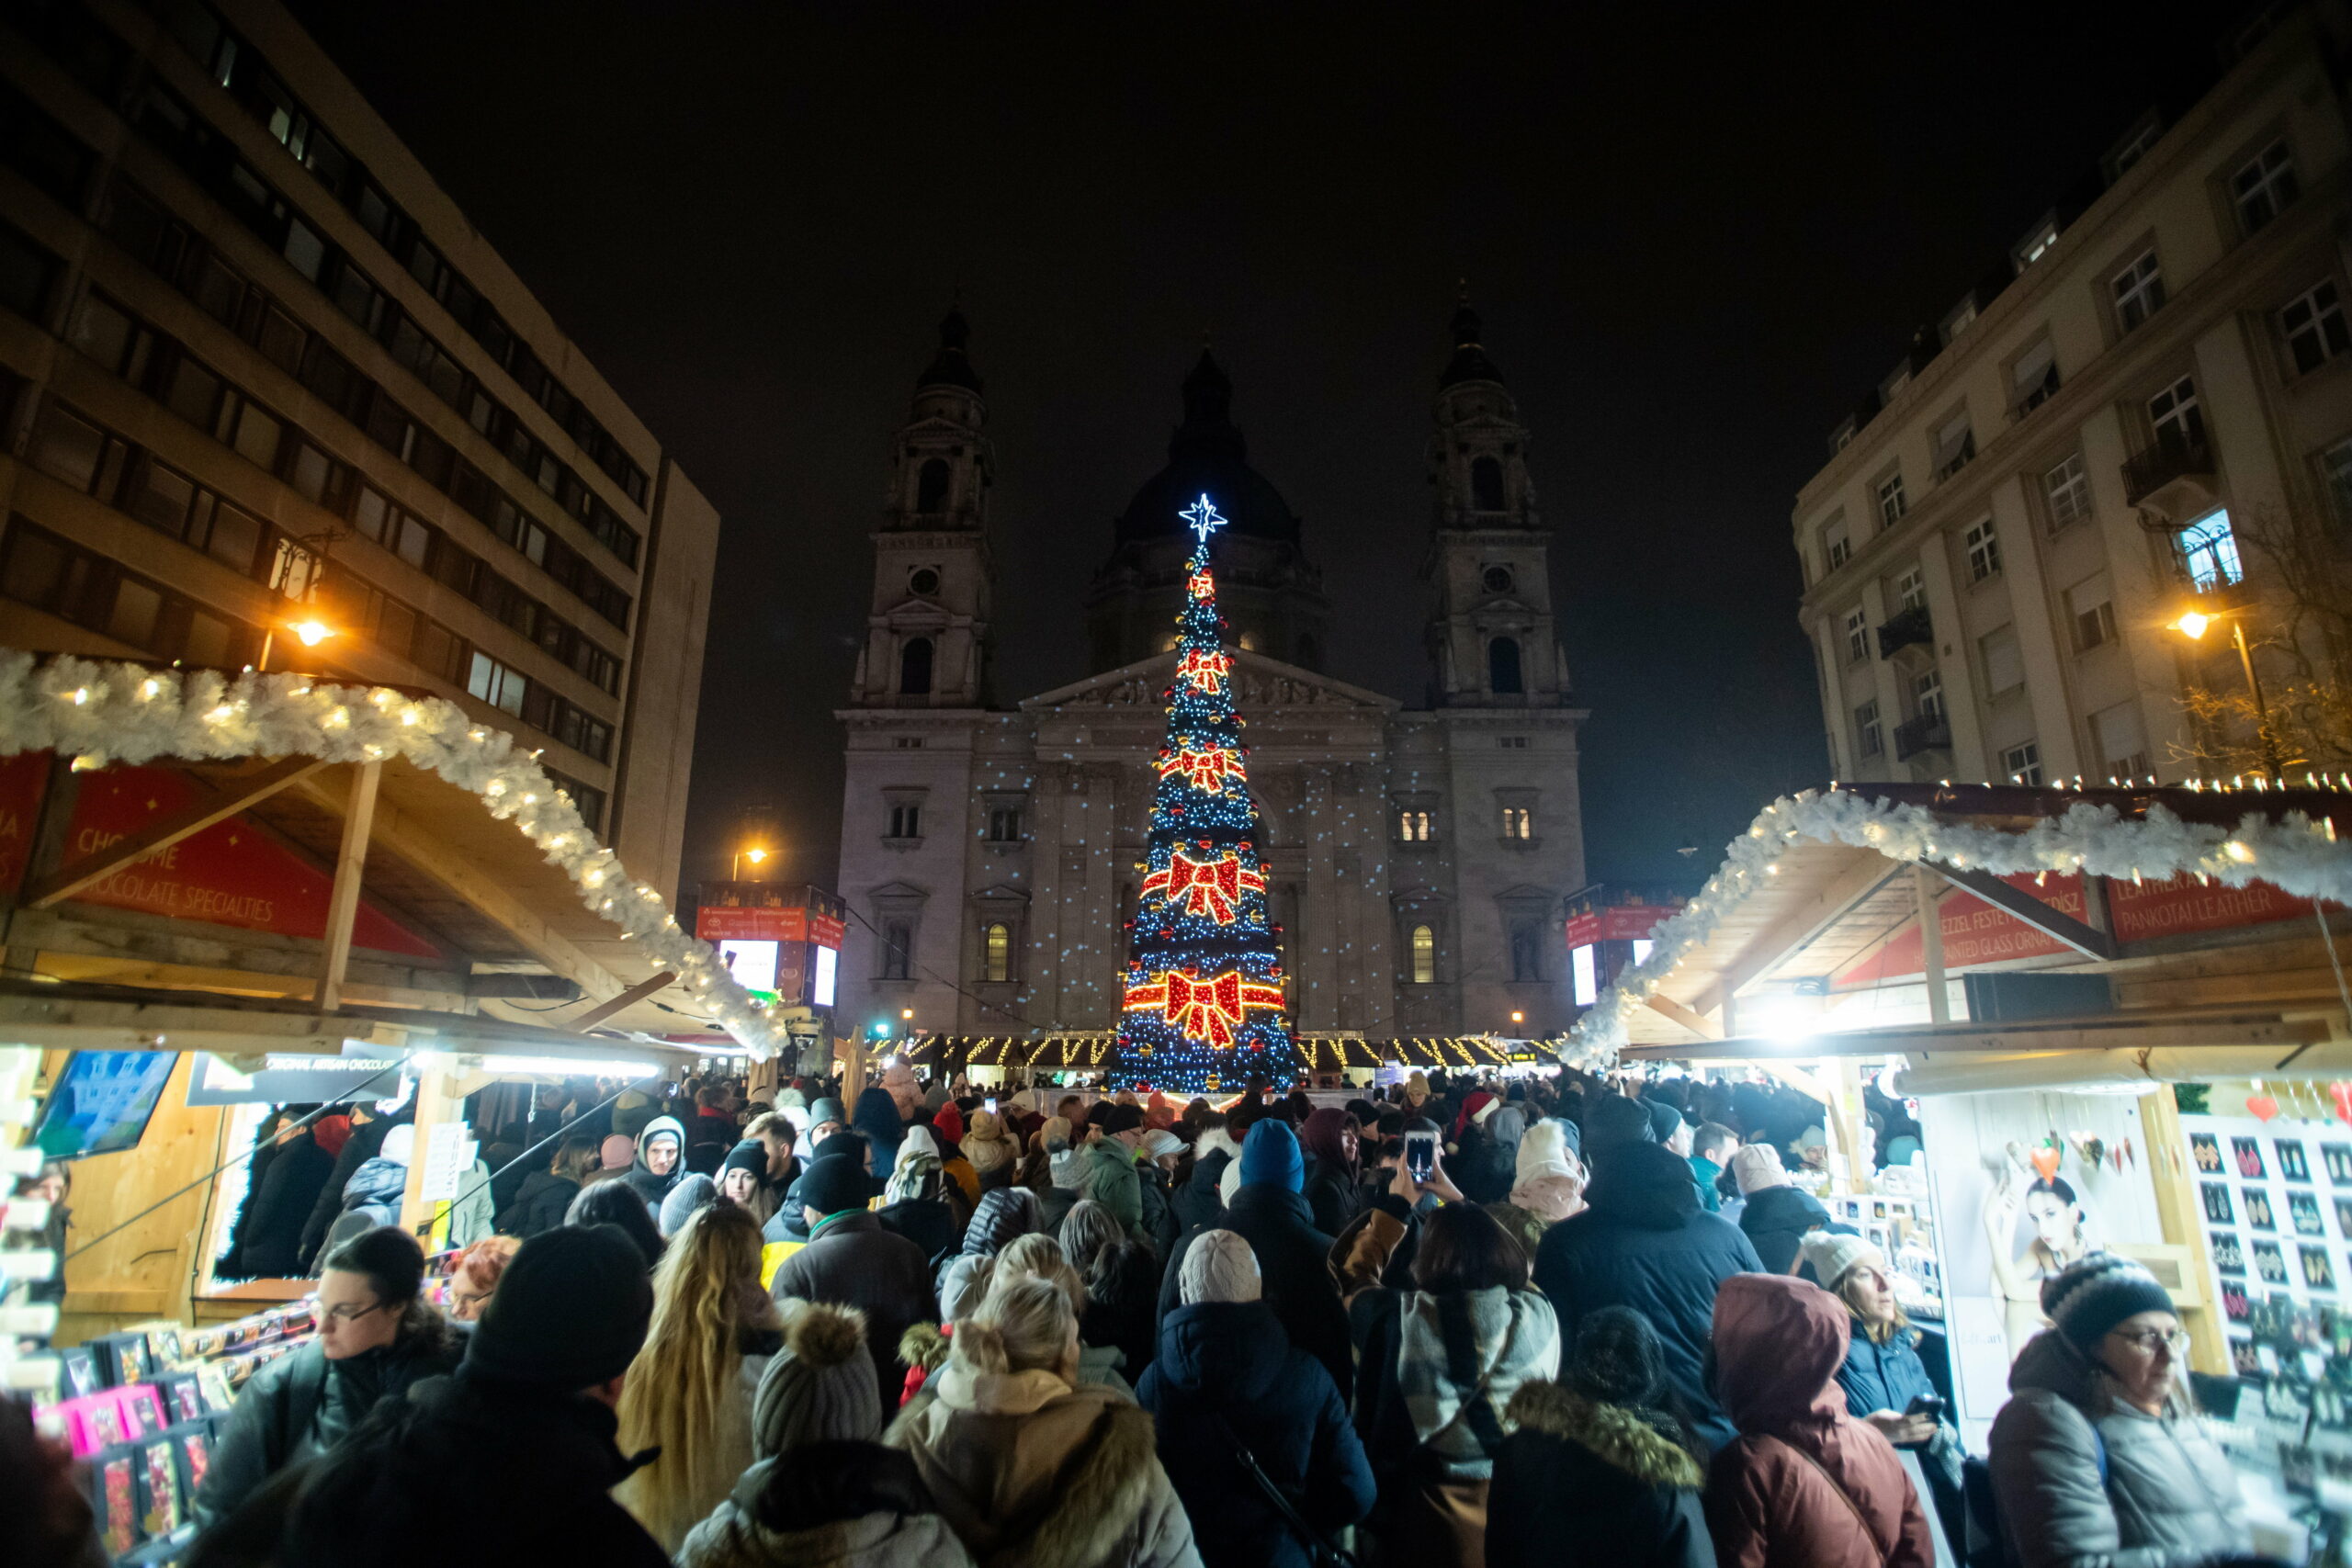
[(2101, 1455), (377, 1336)]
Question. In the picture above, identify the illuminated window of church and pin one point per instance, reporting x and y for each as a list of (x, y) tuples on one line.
[(995, 939), (1413, 827), (1424, 956)]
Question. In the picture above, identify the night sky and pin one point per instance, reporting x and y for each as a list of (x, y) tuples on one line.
[(1696, 236)]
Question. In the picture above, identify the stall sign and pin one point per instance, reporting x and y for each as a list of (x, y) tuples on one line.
[(1975, 933), (1617, 922), (293, 1078), (735, 923), (22, 779)]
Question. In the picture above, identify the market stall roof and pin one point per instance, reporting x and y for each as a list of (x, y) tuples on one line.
[(1823, 888)]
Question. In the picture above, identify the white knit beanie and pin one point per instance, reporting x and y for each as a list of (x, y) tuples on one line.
[(1219, 1267), (1833, 1255), (1542, 1151), (1756, 1167)]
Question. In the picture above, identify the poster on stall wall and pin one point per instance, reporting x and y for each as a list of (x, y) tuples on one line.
[(2025, 1182)]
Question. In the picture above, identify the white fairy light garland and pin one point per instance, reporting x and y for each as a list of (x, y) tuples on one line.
[(2292, 852), (101, 713)]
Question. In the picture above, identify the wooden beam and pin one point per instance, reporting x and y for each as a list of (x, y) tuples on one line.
[(216, 805), (1931, 944), (1666, 1007), (413, 842), (350, 866), (1798, 928), (628, 998), (2091, 941), (2106, 1031)]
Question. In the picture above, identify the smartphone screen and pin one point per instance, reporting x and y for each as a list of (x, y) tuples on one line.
[(1420, 1153), (991, 1105)]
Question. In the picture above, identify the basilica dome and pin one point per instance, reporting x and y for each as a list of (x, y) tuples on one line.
[(1206, 457)]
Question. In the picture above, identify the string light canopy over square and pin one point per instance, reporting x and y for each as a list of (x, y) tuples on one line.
[(1203, 1005)]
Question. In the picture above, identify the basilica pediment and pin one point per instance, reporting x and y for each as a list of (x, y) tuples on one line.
[(1260, 684)]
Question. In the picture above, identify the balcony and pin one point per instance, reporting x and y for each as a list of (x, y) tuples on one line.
[(1931, 731), (1909, 628), (2173, 479)]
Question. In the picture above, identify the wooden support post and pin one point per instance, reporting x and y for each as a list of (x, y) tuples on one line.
[(628, 998), (436, 1107), (1924, 883), (343, 909), (61, 886)]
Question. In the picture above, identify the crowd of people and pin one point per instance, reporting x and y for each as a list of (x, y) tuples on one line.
[(1458, 1322)]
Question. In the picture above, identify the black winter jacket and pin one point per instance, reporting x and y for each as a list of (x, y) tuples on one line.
[(1776, 1218), (1197, 1204), (1333, 1196), (1292, 1261), (1643, 1244), (1225, 1372), (1581, 1483), (293, 1184), (366, 1141), (376, 1187), (539, 1204)]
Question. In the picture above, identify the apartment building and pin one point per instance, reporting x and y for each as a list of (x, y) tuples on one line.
[(2091, 441), (257, 370)]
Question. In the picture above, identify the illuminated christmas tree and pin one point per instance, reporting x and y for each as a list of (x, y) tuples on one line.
[(1204, 994)]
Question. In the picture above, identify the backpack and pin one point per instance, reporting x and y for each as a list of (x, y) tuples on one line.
[(1988, 1535)]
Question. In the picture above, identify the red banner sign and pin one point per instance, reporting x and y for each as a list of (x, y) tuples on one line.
[(1617, 922), (1975, 933), (22, 779), (231, 873), (737, 923)]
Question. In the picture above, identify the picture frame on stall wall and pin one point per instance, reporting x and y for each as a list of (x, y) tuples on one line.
[(2319, 1273), (2259, 1216), (2229, 1254), (2293, 1166), (2302, 1212), (2218, 1210), (2337, 1158), (2205, 1154), (2270, 1263), (2248, 1158)]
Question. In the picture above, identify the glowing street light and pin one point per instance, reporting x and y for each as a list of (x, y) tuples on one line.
[(755, 854), (2192, 625), (308, 633)]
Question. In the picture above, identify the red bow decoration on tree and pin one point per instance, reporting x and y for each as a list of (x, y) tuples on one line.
[(1200, 584), (1203, 887), (1205, 770), (1208, 670), (1209, 1009)]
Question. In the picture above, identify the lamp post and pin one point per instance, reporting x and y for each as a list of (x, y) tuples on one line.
[(2193, 626), (308, 633), (755, 854)]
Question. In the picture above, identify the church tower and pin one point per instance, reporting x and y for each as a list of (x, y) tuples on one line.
[(927, 628), (1490, 635)]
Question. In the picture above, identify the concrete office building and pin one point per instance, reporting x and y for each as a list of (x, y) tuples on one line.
[(2094, 442), (258, 370)]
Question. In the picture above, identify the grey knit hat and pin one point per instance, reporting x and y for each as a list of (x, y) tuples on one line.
[(2088, 1297), (1618, 1359), (692, 1192), (1219, 1267), (818, 1388)]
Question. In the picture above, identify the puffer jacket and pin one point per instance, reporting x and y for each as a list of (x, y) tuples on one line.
[(1882, 1377), (2170, 1498), (1579, 1481), (1197, 1203), (850, 1505), (376, 1188), (1804, 1484), (1029, 1471), (539, 1204)]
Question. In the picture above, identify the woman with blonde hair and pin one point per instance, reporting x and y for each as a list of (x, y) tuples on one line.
[(1027, 1465), (1042, 1258), (689, 1389)]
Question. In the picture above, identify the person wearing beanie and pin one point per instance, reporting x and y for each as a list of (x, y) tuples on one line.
[(661, 1153), (1109, 1173), (1643, 1242), (515, 1454), (879, 1116), (2101, 1455), (1156, 1153), (693, 1192), (614, 1156), (1268, 1209), (994, 1156), (854, 1259), (919, 1202), (1777, 1214), (1547, 1186), (824, 1491), (1804, 1482), (1596, 1470), (1417, 1090), (1610, 1122), (1225, 1372), (826, 1117), (787, 1223), (740, 1174), (1334, 1186)]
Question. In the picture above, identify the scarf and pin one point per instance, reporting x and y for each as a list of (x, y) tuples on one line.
[(1461, 1356)]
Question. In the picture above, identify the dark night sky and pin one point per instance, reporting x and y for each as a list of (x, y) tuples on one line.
[(1695, 234)]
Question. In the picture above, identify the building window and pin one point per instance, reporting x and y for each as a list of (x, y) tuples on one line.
[(1911, 590), (1869, 742), (923, 580), (2022, 763), (496, 684), (2139, 291), (1857, 637), (2335, 470), (1836, 548), (1983, 551), (1424, 950), (931, 486), (1512, 742), (1486, 485), (906, 822), (1497, 579), (2122, 743), (1502, 667), (1891, 502), (2091, 609), (2209, 552), (2264, 186), (1526, 949), (2134, 146), (2067, 491), (1955, 444), (897, 948), (1413, 827), (1928, 694), (1519, 823), (2033, 378), (996, 951), (2312, 324), (1004, 825), (2175, 417), (2004, 663), (914, 668), (2036, 245)]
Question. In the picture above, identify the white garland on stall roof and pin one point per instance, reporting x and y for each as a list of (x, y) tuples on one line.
[(2292, 852), (102, 713)]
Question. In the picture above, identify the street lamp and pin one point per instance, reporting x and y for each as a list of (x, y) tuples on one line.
[(755, 854), (2192, 624), (309, 633)]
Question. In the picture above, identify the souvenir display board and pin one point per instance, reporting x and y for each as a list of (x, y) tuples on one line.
[(1902, 1226)]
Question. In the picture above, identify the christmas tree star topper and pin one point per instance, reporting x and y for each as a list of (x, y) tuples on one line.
[(1203, 518)]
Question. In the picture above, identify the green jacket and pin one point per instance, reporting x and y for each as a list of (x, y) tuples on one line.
[(1111, 1180)]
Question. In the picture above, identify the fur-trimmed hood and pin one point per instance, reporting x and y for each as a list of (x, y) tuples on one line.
[(1073, 1481), (1611, 1433)]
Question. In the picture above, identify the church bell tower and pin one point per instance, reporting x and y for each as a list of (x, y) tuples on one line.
[(927, 627)]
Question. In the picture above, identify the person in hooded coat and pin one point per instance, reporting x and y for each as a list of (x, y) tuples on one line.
[(822, 1492), (1226, 1374), (231, 1264), (1269, 1211), (1547, 1186), (661, 1162), (1334, 1177), (1777, 1216), (546, 1196), (915, 1199), (291, 1188), (372, 1197), (1478, 1165), (1643, 1242), (1596, 1470), (877, 1117), (1804, 1484), (1196, 1202)]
